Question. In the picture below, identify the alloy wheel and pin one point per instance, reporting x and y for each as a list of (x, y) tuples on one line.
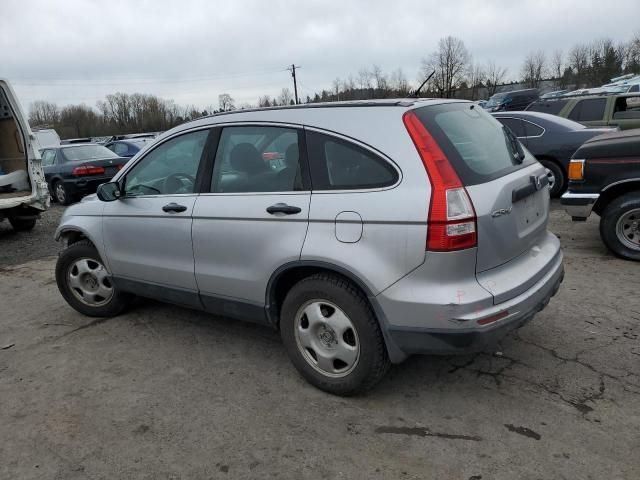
[(326, 338), (89, 281), (61, 194)]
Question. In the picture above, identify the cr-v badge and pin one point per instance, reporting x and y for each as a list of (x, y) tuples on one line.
[(502, 211)]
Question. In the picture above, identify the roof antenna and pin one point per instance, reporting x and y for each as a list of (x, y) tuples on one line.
[(416, 92)]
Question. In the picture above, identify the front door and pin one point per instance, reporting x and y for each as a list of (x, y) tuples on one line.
[(254, 219), (147, 233)]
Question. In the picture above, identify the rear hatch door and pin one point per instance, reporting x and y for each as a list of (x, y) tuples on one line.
[(507, 186)]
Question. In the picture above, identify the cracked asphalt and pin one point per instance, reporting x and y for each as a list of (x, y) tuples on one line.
[(167, 393)]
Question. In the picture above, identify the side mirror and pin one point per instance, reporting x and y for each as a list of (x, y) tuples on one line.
[(108, 192)]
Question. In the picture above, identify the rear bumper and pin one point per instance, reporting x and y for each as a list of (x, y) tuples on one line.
[(85, 185), (579, 205), (418, 325)]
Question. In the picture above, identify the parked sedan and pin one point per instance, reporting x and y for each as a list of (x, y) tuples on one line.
[(551, 139), (128, 148), (75, 170)]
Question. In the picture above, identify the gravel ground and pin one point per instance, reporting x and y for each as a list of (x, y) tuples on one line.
[(21, 247), (167, 393)]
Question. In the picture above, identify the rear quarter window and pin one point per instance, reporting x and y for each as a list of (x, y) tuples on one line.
[(337, 164), (475, 143)]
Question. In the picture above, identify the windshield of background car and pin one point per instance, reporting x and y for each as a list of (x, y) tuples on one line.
[(476, 144), (87, 152), (496, 100)]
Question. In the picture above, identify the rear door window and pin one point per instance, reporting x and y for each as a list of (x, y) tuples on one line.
[(477, 145), (589, 110), (340, 165)]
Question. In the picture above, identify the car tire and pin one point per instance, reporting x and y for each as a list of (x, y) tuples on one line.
[(332, 335), (22, 224), (61, 193), (620, 226), (85, 283), (557, 178)]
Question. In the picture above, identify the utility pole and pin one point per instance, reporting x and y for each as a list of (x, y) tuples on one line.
[(292, 69)]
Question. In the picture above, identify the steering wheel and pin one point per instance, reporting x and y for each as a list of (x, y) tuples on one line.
[(175, 182)]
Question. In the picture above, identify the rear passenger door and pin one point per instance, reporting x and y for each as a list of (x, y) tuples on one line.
[(358, 220), (253, 218)]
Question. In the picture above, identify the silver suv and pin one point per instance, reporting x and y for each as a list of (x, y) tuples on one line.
[(364, 232)]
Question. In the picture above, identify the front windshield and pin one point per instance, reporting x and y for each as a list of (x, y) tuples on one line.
[(495, 100), (87, 152)]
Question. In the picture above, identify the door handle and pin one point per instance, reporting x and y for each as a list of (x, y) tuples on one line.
[(283, 208), (174, 207)]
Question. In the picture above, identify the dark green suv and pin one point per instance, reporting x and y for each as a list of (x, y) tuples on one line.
[(613, 110)]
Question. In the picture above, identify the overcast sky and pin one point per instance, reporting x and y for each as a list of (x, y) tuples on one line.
[(73, 51)]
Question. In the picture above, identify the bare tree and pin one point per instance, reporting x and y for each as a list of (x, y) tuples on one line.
[(399, 83), (579, 63), (534, 69), (381, 83), (632, 54), (336, 86), (495, 75), (43, 113), (286, 97), (450, 64), (226, 102), (79, 120), (364, 79), (476, 76), (557, 65)]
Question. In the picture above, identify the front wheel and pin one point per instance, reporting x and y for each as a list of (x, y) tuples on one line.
[(85, 283), (620, 226), (556, 177), (332, 336)]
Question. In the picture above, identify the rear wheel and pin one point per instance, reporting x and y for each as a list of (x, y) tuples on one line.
[(85, 283), (61, 193), (556, 177), (22, 224), (620, 226), (332, 336)]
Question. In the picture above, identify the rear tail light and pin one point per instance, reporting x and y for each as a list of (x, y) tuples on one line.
[(576, 170), (81, 171), (452, 219)]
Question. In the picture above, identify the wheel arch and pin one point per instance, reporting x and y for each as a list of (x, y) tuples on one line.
[(615, 190), (289, 274), (70, 234)]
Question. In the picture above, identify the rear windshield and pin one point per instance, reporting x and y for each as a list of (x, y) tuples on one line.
[(87, 152), (477, 145)]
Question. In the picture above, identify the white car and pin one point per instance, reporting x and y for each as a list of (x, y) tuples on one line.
[(23, 190)]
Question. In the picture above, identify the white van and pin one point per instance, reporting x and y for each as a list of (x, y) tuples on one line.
[(23, 190)]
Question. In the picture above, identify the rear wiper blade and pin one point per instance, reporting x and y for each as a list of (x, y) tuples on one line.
[(518, 153)]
